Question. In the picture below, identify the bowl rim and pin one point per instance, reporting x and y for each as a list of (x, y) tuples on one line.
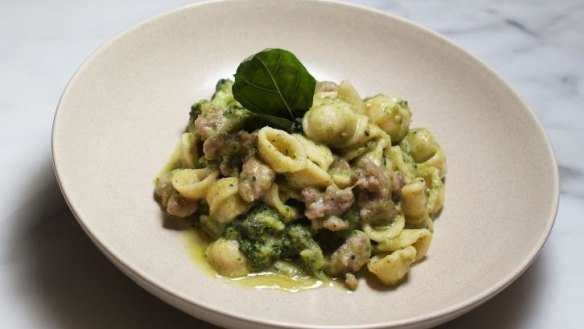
[(208, 313)]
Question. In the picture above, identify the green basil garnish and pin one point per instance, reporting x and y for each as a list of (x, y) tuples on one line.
[(274, 85)]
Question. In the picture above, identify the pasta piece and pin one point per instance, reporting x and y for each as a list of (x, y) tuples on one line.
[(434, 189), (424, 150), (372, 140), (341, 173), (362, 131), (211, 227), (277, 200), (281, 151), (324, 89), (387, 233), (224, 256), (312, 175), (390, 113), (224, 201), (349, 94), (437, 161), (376, 155), (414, 203), (352, 153), (189, 151), (417, 238), (193, 183), (332, 122), (317, 153), (396, 157), (392, 268)]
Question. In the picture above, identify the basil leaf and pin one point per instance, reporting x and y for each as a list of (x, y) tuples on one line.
[(274, 82), (275, 122)]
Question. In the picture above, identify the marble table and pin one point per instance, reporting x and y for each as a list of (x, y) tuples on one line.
[(52, 276)]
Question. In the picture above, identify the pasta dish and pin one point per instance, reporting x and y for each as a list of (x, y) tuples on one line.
[(348, 188)]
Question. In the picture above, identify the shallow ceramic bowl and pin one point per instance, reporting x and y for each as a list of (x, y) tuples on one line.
[(121, 115)]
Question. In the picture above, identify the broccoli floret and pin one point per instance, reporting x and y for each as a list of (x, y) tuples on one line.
[(196, 110), (232, 233), (261, 222), (223, 95), (299, 242), (259, 235), (261, 253)]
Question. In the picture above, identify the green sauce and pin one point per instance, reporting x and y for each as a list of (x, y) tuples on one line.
[(197, 242)]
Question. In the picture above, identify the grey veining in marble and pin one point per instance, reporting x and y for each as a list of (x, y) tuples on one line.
[(52, 276)]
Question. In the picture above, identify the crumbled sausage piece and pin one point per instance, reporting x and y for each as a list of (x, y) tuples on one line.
[(255, 179), (333, 202), (374, 200), (205, 126), (171, 201), (229, 145), (335, 224), (181, 207), (351, 281), (353, 254)]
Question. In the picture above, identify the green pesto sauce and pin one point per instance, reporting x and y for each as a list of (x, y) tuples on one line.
[(197, 242)]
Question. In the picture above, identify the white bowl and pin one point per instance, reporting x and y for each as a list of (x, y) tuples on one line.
[(121, 116)]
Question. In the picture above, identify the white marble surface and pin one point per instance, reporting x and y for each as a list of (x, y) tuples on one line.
[(52, 276)]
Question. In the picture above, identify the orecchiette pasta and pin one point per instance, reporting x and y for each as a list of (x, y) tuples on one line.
[(349, 94), (417, 238), (387, 233), (341, 173), (189, 151), (311, 175), (333, 123), (398, 163), (392, 268), (281, 151), (194, 183), (390, 114), (414, 203), (224, 201), (277, 200), (225, 257), (424, 150), (317, 153), (376, 154), (434, 189)]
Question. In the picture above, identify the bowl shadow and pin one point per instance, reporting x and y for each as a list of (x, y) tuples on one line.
[(510, 308), (73, 283)]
